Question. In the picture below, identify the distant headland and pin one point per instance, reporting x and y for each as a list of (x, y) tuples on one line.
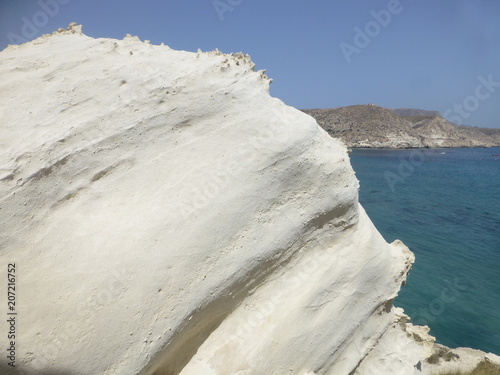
[(371, 126)]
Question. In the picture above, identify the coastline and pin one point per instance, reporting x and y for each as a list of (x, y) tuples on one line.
[(220, 255), (416, 148), (448, 227)]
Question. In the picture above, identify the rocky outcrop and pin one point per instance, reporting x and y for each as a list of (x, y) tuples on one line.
[(464, 361), (373, 126)]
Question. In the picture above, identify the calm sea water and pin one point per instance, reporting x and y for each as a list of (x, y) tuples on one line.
[(444, 204)]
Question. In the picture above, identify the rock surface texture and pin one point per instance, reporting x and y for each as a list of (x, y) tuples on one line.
[(168, 216), (373, 126)]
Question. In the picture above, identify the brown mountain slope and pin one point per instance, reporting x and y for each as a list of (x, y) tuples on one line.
[(406, 112), (373, 126)]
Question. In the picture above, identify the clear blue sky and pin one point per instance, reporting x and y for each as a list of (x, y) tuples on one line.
[(430, 54)]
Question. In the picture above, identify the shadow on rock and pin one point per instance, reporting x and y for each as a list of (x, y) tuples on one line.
[(5, 369)]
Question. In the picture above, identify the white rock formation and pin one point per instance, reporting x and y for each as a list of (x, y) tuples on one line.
[(167, 216)]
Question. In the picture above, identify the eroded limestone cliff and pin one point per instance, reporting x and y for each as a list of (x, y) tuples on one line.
[(168, 216)]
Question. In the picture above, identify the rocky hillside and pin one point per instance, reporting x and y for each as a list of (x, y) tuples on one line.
[(405, 112), (373, 126)]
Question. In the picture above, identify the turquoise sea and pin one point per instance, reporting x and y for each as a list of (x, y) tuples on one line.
[(444, 204)]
